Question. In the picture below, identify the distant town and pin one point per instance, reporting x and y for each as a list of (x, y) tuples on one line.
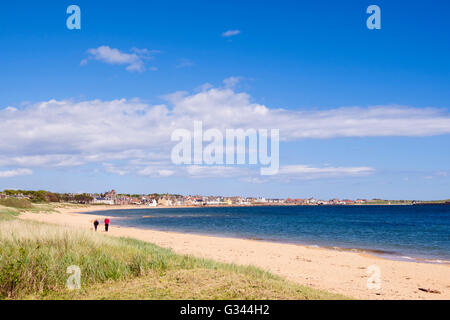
[(167, 200)]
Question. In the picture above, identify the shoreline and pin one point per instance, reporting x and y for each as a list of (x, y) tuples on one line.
[(339, 271), (379, 253), (142, 206), (375, 253)]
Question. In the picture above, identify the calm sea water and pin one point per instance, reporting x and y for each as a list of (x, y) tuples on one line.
[(406, 232)]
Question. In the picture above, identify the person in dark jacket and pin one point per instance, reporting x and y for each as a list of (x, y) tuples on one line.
[(96, 223), (106, 224)]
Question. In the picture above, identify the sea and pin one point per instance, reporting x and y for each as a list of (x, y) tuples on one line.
[(400, 232)]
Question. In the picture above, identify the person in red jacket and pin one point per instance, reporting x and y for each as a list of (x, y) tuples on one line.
[(106, 224)]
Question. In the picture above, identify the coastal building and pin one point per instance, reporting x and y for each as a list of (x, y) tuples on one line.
[(239, 201), (164, 202), (294, 201), (235, 200), (152, 203), (111, 194), (135, 201), (197, 201), (275, 201), (335, 201), (188, 201), (178, 202), (260, 200), (214, 202), (103, 201)]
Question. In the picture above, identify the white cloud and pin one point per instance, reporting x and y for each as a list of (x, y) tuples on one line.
[(288, 172), (15, 173), (230, 33), (165, 173), (54, 160), (184, 63), (59, 133), (442, 173), (231, 82), (154, 171), (255, 180), (308, 172), (144, 51), (134, 61), (109, 167), (215, 171)]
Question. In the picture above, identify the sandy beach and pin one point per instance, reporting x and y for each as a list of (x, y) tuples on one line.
[(331, 270)]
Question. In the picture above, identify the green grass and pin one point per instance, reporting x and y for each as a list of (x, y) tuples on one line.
[(7, 213), (16, 203), (392, 202), (12, 207), (194, 284), (435, 201), (34, 258)]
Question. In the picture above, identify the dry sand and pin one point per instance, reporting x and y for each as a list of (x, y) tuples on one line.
[(335, 271)]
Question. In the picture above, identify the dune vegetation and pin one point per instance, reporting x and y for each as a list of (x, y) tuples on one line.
[(34, 258), (16, 203)]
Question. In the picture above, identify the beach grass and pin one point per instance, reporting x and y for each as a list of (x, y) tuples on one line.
[(196, 284), (34, 258), (16, 203), (7, 213), (12, 207)]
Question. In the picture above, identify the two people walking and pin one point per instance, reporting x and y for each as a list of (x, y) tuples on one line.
[(96, 223)]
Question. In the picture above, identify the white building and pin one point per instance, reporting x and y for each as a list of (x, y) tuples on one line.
[(152, 203), (103, 201)]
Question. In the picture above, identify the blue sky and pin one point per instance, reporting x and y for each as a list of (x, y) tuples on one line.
[(311, 59)]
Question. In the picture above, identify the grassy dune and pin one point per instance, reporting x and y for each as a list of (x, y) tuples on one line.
[(34, 258), (7, 213), (16, 203)]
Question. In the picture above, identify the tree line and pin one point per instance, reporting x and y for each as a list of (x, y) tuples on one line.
[(47, 196)]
